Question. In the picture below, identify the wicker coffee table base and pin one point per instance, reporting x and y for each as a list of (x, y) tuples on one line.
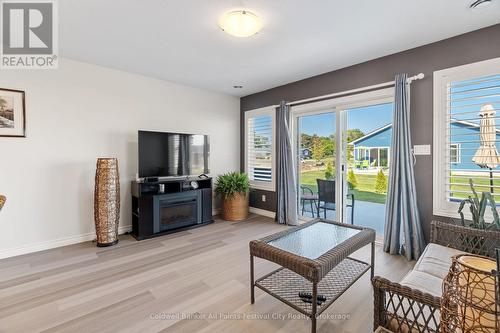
[(321, 266), (285, 285)]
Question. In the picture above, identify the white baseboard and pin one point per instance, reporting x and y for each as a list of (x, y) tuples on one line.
[(262, 212), (47, 245)]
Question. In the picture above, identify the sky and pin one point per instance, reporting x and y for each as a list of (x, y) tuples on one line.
[(366, 119)]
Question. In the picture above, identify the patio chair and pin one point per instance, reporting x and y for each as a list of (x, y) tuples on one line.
[(308, 196), (2, 201), (365, 164), (326, 198), (373, 163)]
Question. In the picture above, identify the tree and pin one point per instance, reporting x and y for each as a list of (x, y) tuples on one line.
[(351, 179), (354, 134), (329, 171), (381, 183), (305, 140), (317, 149), (329, 146)]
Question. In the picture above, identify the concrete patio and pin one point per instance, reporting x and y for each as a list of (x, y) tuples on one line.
[(366, 214)]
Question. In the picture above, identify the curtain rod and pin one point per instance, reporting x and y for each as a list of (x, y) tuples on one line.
[(355, 91)]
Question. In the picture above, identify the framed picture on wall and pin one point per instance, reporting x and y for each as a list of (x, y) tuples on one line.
[(12, 113)]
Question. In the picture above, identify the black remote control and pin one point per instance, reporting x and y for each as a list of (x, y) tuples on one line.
[(308, 295), (309, 300)]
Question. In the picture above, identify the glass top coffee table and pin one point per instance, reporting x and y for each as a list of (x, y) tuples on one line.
[(316, 267)]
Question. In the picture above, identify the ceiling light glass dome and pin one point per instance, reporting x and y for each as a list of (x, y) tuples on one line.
[(240, 23)]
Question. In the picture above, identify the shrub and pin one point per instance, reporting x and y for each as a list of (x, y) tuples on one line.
[(381, 183), (329, 173), (478, 208), (232, 183), (351, 179)]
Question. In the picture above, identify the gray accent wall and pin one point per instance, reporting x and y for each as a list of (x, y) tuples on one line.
[(471, 47)]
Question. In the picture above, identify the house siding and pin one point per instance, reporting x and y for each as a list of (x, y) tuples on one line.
[(461, 134)]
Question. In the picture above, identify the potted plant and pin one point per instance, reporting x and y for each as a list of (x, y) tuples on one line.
[(233, 188), (478, 208)]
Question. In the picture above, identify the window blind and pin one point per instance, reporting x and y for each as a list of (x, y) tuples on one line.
[(468, 128), (260, 148)]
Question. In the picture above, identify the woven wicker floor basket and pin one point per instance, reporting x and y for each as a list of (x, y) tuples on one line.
[(107, 201), (235, 208)]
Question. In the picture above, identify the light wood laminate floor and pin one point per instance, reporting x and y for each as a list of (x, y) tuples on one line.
[(192, 281)]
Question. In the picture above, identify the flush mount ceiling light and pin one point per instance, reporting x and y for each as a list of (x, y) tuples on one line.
[(480, 3), (240, 23)]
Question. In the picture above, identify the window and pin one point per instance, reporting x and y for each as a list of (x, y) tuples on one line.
[(466, 134), (260, 147), (454, 152)]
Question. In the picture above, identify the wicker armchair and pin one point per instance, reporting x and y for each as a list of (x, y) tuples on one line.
[(403, 309), (2, 201)]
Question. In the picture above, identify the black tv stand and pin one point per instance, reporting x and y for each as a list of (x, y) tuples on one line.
[(170, 205)]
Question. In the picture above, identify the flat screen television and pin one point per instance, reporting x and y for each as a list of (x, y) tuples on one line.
[(173, 154)]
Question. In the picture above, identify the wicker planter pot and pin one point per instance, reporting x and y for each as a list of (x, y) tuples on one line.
[(235, 208), (107, 201)]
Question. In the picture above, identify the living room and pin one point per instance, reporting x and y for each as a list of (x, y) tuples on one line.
[(243, 166)]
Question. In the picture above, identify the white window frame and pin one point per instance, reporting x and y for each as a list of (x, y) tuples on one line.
[(441, 206), (457, 147), (268, 110)]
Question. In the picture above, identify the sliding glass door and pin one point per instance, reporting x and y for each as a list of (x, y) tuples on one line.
[(342, 148)]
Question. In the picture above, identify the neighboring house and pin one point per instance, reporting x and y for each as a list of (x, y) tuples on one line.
[(374, 147), (305, 153)]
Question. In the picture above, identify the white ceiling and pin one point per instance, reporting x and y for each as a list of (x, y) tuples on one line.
[(179, 40)]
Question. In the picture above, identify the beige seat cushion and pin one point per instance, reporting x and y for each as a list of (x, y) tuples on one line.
[(424, 282), (436, 260), (431, 269)]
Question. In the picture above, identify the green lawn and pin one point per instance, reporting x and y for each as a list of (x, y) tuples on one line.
[(480, 185), (364, 192)]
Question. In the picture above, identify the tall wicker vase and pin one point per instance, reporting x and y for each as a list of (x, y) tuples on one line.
[(107, 201), (235, 208)]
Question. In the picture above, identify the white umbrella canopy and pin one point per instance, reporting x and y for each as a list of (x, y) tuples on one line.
[(487, 155)]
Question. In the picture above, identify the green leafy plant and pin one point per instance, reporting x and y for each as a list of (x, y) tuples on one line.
[(478, 208), (329, 171), (351, 179), (318, 149), (381, 182), (232, 183)]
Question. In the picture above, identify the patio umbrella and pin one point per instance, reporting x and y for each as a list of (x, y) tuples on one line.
[(487, 155)]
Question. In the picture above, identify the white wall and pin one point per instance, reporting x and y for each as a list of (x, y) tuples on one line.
[(81, 112)]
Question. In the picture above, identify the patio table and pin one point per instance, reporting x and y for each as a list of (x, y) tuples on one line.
[(314, 257)]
